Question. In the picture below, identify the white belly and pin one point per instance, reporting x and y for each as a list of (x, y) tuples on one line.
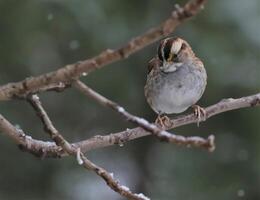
[(173, 100)]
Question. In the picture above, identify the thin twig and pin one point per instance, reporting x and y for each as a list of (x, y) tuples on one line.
[(155, 130), (49, 149), (82, 160), (66, 74), (27, 143)]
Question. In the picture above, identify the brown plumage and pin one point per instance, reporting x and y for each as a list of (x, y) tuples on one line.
[(176, 78)]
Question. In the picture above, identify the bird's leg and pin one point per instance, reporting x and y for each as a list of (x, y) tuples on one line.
[(163, 121), (199, 112)]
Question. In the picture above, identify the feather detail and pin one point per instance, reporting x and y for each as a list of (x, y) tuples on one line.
[(154, 63)]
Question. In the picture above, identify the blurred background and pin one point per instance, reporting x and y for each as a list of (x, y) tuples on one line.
[(41, 36)]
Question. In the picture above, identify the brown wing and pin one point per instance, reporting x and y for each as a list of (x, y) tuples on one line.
[(154, 63)]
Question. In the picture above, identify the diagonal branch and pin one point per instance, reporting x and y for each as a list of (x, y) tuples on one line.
[(49, 149), (155, 130), (224, 105), (81, 158), (72, 71), (27, 143)]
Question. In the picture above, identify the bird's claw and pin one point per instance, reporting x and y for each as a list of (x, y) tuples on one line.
[(199, 112), (163, 121)]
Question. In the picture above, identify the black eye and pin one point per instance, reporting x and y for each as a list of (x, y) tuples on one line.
[(175, 58)]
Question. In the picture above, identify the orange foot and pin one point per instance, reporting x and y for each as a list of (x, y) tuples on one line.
[(163, 121), (199, 112)]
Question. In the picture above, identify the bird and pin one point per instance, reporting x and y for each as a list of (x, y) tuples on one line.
[(176, 80)]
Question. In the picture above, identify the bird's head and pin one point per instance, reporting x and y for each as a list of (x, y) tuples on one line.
[(174, 52)]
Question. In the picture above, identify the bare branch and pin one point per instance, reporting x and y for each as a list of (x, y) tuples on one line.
[(49, 149), (48, 126), (64, 77), (27, 143), (69, 72), (82, 160), (224, 105), (155, 130)]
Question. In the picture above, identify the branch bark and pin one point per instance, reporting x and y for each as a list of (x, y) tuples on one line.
[(143, 123), (224, 105), (81, 158), (49, 149), (66, 74)]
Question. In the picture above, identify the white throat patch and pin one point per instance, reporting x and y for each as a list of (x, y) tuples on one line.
[(170, 67)]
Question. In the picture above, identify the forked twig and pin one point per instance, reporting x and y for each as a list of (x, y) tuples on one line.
[(155, 130), (81, 158), (49, 149), (66, 74)]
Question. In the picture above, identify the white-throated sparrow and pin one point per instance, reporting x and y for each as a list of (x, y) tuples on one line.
[(176, 79)]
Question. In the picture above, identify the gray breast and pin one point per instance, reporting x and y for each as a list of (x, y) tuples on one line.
[(176, 91)]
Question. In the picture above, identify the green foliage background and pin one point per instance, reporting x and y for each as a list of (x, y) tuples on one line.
[(41, 36)]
